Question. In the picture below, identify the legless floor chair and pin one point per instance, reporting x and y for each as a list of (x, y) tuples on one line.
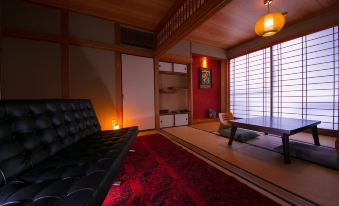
[(224, 120)]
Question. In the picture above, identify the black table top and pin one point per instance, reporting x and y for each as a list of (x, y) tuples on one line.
[(277, 123)]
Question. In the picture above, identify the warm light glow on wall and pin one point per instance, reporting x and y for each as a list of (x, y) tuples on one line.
[(204, 63)]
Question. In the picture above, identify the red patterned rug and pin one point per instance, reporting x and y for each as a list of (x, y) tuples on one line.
[(160, 173)]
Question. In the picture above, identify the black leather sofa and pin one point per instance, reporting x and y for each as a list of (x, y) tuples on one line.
[(52, 152)]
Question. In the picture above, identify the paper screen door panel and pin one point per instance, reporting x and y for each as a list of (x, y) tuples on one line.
[(138, 92), (181, 119), (165, 66), (182, 68)]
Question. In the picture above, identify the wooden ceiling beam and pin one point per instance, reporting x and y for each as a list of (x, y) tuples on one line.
[(204, 12)]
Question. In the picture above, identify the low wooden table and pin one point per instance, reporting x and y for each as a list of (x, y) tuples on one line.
[(283, 127)]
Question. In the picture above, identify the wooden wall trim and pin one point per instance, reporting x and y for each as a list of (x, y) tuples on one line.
[(65, 79), (271, 82), (39, 36), (175, 58), (64, 24), (90, 43), (65, 85), (84, 11), (223, 89), (227, 85), (1, 59), (65, 41), (190, 87), (156, 93), (117, 47), (118, 78), (117, 34), (135, 51), (190, 93), (118, 89), (210, 57)]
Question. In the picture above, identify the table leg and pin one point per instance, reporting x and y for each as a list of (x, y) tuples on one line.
[(315, 135), (233, 131), (286, 147)]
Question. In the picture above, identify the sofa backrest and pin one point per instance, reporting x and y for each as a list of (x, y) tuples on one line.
[(33, 130)]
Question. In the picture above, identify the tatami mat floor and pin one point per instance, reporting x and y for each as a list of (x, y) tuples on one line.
[(311, 183)]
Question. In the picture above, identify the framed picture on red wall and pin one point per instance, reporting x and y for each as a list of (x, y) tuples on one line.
[(205, 78)]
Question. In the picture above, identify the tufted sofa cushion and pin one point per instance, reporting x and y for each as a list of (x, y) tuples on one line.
[(53, 152)]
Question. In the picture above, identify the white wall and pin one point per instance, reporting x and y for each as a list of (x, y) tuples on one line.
[(30, 69), (209, 51), (30, 17), (87, 27), (92, 76), (182, 48)]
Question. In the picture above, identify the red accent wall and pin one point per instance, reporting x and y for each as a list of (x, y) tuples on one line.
[(203, 99)]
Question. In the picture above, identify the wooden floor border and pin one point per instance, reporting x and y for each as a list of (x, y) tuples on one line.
[(274, 189)]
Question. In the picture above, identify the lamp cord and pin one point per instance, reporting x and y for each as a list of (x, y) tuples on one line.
[(268, 2)]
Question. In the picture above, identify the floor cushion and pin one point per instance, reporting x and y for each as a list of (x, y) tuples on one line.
[(241, 135)]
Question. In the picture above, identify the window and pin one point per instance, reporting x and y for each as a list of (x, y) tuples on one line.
[(250, 84), (305, 80)]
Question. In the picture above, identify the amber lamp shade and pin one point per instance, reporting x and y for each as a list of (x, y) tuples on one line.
[(269, 24)]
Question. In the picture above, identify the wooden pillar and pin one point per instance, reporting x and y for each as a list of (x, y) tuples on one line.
[(1, 55), (64, 23), (156, 93), (223, 88), (118, 79), (227, 85), (190, 88)]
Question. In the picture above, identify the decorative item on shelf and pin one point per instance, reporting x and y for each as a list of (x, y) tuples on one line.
[(270, 23), (168, 90), (115, 125), (212, 114), (164, 111), (205, 78), (171, 89), (182, 111)]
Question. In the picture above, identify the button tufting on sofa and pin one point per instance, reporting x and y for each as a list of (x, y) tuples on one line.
[(52, 152)]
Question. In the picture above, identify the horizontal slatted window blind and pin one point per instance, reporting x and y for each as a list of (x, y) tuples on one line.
[(306, 78), (250, 84), (302, 83)]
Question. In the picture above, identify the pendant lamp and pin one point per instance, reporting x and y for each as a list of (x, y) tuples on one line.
[(270, 23)]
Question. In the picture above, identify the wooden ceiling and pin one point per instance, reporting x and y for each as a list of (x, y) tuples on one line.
[(144, 14), (234, 24), (230, 26)]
